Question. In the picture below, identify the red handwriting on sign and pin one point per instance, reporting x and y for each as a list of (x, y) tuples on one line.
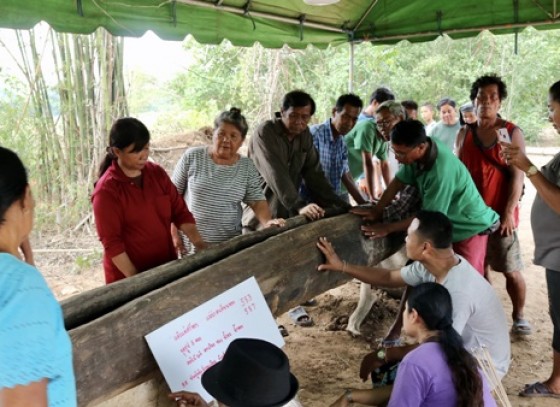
[(246, 300), (202, 369), (249, 308), (196, 356), (220, 309), (185, 330), (190, 344)]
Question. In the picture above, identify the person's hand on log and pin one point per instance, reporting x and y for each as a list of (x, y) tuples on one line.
[(312, 212), (332, 262), (177, 241), (368, 214), (278, 222), (186, 398), (376, 230)]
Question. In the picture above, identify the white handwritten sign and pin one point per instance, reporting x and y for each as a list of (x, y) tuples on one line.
[(185, 347)]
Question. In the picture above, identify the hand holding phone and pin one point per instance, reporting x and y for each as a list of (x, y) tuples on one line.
[(503, 136)]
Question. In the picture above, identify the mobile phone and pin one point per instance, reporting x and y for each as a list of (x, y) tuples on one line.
[(503, 136)]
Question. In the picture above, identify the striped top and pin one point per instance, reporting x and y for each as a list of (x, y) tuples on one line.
[(214, 192)]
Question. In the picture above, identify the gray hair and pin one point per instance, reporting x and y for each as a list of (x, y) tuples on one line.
[(394, 107)]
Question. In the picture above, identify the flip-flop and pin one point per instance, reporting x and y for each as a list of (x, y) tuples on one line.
[(538, 389), (521, 327), (300, 316)]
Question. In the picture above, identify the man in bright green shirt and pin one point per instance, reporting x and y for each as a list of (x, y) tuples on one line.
[(364, 137), (364, 141), (444, 184)]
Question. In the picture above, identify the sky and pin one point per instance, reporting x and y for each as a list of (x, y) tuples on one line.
[(155, 56), (148, 53)]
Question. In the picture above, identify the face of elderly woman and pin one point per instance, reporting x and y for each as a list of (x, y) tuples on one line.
[(448, 115), (226, 141)]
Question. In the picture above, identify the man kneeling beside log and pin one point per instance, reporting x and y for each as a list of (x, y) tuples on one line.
[(478, 315)]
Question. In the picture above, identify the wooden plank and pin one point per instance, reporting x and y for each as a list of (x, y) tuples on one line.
[(110, 353), (95, 303)]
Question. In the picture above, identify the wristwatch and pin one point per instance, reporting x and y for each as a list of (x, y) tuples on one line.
[(348, 396), (531, 171), (381, 354)]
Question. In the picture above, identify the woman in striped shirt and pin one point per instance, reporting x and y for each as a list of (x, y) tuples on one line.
[(216, 179)]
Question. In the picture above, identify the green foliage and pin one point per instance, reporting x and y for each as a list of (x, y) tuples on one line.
[(146, 94), (256, 78), (58, 121), (87, 261)]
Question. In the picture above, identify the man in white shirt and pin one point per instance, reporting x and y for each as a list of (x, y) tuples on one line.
[(478, 315)]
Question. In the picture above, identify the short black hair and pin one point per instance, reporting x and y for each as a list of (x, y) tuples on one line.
[(446, 101), (381, 95), (298, 98), (13, 180), (348, 99), (409, 104), (409, 133), (435, 227), (124, 132), (486, 80), (555, 91)]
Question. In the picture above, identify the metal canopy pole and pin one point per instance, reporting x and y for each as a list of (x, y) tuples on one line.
[(351, 69), (456, 31), (364, 16), (236, 10)]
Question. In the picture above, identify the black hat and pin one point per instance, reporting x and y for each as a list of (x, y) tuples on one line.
[(253, 373)]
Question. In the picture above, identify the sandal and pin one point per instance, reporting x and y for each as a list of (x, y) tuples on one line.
[(538, 389), (300, 316), (521, 327)]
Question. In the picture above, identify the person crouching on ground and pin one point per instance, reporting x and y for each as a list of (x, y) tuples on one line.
[(478, 314), (439, 372), (252, 373)]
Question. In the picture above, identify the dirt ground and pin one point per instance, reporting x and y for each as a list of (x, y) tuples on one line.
[(327, 361)]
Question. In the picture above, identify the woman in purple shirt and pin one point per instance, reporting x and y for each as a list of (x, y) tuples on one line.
[(440, 372)]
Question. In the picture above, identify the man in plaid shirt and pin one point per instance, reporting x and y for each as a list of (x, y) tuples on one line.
[(328, 138)]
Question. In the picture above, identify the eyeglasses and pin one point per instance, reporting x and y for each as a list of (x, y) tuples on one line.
[(401, 154), (383, 123)]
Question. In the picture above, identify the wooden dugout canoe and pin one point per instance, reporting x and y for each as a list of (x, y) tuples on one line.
[(107, 325)]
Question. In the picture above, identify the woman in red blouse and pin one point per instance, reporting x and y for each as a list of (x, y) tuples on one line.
[(135, 203)]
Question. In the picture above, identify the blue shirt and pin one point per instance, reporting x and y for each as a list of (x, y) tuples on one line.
[(333, 155), (34, 344), (364, 116)]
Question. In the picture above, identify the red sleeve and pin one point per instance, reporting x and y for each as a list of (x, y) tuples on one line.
[(108, 219), (180, 214)]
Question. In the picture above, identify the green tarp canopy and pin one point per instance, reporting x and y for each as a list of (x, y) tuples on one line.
[(274, 23)]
